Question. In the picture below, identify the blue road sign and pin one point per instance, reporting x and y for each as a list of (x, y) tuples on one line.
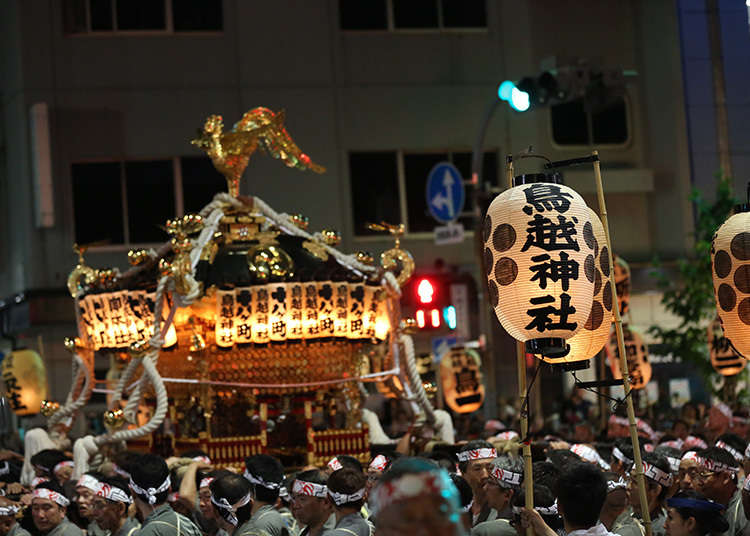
[(441, 346), (445, 192)]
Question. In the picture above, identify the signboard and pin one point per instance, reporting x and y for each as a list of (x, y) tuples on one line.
[(453, 233), (445, 192)]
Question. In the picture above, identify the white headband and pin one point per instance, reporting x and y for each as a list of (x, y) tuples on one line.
[(612, 485), (343, 498), (716, 467), (258, 481), (657, 475), (692, 455), (206, 482), (722, 407), (644, 427), (617, 453), (5, 469), (674, 463), (747, 451), (66, 463), (150, 493), (38, 480), (746, 485), (413, 485), (335, 464), (302, 487), (44, 493), (378, 463), (736, 454), (543, 510), (589, 455), (10, 510), (674, 443), (232, 508), (89, 482), (112, 493), (477, 454), (204, 459), (505, 476), (622, 421)]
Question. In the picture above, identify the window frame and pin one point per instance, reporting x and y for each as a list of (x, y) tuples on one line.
[(126, 245), (115, 32), (391, 24), (609, 146), (401, 181)]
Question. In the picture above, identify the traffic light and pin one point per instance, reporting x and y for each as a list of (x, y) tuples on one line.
[(563, 84), (426, 297)]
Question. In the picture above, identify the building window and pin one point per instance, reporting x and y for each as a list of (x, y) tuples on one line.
[(603, 124), (161, 16), (126, 203), (430, 15), (390, 186)]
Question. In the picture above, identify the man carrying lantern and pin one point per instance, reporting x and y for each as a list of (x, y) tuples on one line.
[(475, 463)]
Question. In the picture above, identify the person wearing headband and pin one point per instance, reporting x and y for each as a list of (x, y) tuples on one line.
[(621, 461), (690, 513), (545, 506), (375, 469), (474, 462), (688, 468), (673, 456), (48, 509), (62, 471), (8, 522), (718, 421), (733, 444), (150, 485), (85, 489), (658, 480), (506, 477), (110, 507), (309, 502), (195, 495), (346, 494), (414, 497), (45, 461), (284, 504), (581, 492), (266, 475), (232, 500), (616, 515), (715, 476), (342, 461)]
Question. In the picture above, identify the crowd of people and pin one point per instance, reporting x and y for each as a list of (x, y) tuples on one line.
[(694, 485)]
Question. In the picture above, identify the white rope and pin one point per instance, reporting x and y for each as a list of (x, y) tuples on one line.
[(415, 380), (84, 374)]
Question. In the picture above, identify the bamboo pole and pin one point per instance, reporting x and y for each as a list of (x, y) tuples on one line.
[(639, 477), (528, 478)]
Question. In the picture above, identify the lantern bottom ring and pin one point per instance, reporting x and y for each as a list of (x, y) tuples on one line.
[(548, 347), (570, 366)]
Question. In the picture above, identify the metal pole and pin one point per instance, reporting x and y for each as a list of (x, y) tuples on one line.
[(639, 477), (528, 478)]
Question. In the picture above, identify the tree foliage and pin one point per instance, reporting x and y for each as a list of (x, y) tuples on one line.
[(691, 297)]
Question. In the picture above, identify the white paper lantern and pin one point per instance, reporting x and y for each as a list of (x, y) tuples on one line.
[(540, 264), (595, 333), (730, 260)]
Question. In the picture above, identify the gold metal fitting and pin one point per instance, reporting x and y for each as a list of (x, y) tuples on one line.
[(49, 407), (137, 256), (365, 257), (138, 348), (114, 418), (331, 237)]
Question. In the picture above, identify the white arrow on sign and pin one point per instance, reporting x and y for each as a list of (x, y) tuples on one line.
[(445, 200)]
